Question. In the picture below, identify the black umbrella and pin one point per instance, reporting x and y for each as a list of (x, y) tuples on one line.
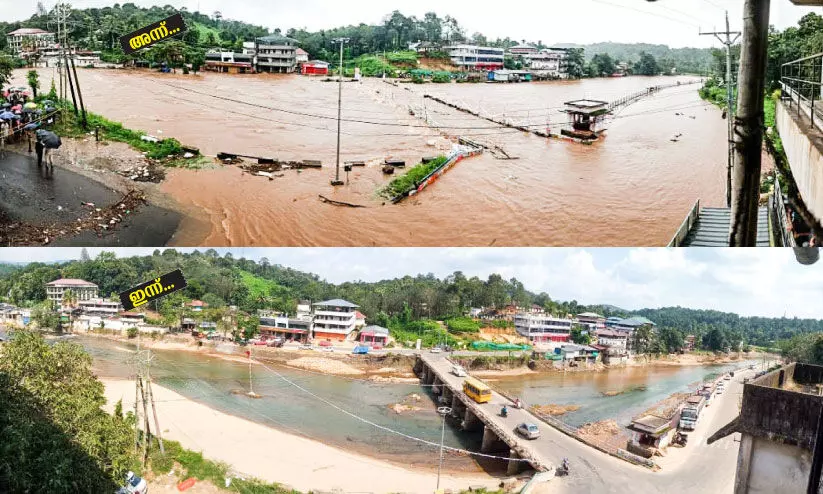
[(49, 139), (5, 105), (32, 126)]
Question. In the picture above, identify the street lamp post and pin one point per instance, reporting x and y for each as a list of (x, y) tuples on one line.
[(443, 411), (342, 41)]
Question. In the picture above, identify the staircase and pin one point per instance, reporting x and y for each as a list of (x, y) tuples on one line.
[(712, 228)]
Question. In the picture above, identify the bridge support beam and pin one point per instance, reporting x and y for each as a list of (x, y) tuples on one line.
[(514, 466), (457, 406), (437, 385), (431, 377), (470, 421)]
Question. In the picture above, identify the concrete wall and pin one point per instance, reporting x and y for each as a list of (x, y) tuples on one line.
[(805, 155), (775, 467)]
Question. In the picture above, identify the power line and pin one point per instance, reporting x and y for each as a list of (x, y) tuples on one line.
[(604, 2)]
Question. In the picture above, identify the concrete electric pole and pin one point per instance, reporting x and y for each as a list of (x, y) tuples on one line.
[(729, 42), (342, 41), (748, 124)]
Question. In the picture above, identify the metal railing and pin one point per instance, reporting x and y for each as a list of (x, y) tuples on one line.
[(780, 220), (802, 83)]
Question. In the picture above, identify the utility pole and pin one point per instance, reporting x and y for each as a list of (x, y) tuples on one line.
[(729, 100), (342, 41), (748, 124), (443, 411)]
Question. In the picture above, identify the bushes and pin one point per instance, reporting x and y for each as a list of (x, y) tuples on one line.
[(402, 57), (463, 325), (131, 333), (412, 178), (442, 77)]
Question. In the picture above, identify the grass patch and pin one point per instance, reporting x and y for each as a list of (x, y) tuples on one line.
[(412, 178), (195, 465), (463, 325), (169, 150)]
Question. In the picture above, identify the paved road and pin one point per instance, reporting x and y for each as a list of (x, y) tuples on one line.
[(29, 194), (697, 468)]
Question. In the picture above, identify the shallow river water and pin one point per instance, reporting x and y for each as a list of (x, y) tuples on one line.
[(633, 188), (214, 382)]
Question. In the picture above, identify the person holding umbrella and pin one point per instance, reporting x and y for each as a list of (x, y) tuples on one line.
[(46, 141)]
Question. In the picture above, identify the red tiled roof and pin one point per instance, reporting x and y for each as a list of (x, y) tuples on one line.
[(359, 315), (132, 314), (71, 282), (198, 303), (301, 51)]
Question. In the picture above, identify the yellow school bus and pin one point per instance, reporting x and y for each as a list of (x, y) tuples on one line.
[(476, 390)]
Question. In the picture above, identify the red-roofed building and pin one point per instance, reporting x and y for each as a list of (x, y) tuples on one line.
[(359, 320), (301, 56), (197, 305), (315, 67)]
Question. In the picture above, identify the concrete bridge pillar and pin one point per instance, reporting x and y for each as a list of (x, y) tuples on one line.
[(470, 421), (492, 442), (456, 405), (437, 385), (514, 466), (432, 376), (418, 366)]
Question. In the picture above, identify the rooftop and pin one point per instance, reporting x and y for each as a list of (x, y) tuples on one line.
[(608, 333), (590, 314), (337, 302), (650, 424), (197, 303), (28, 31), (71, 282), (375, 330), (276, 38), (783, 406)]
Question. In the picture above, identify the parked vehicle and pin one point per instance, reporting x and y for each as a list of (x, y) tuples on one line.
[(727, 377), (459, 371), (327, 349), (276, 343), (135, 484), (731, 374), (476, 390), (690, 415), (377, 346), (325, 343), (306, 346), (681, 438), (528, 430), (436, 349), (360, 350), (260, 343), (504, 412)]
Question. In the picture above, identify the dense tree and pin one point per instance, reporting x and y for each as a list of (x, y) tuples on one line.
[(576, 63), (602, 65), (56, 437), (715, 340), (580, 337), (647, 65), (644, 340), (671, 339)]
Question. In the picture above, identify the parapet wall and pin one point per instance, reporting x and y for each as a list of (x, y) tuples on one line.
[(782, 415), (804, 148)]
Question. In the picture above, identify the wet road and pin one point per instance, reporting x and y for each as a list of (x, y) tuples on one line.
[(632, 189), (32, 195)]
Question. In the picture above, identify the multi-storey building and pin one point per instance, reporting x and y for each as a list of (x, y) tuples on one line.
[(82, 289), (543, 328), (275, 53), (591, 321), (523, 50), (229, 62), (334, 319), (282, 326), (97, 307), (551, 61), (471, 57), (28, 39)]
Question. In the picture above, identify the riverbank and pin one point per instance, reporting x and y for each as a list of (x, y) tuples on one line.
[(275, 456)]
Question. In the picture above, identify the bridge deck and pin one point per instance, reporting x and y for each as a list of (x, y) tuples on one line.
[(488, 413), (712, 228)]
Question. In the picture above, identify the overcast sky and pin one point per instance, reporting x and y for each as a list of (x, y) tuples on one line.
[(764, 282), (672, 22)]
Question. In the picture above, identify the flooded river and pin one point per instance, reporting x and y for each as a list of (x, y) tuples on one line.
[(633, 188), (214, 381)]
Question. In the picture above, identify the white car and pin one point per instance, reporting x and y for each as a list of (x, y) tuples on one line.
[(459, 371), (436, 349)]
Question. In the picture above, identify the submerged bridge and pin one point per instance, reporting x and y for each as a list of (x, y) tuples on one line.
[(499, 436)]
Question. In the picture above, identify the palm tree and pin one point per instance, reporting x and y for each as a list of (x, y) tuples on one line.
[(70, 301)]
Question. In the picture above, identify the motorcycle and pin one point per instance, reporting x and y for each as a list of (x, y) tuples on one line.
[(681, 439), (504, 412)]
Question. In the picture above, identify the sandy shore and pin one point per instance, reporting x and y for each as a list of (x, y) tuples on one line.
[(272, 455)]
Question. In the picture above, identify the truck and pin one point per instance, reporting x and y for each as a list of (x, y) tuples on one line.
[(707, 391), (691, 412), (360, 350)]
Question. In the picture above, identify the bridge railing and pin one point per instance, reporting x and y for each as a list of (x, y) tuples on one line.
[(802, 83), (778, 210)]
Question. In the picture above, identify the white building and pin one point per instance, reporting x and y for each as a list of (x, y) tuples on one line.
[(275, 53), (542, 328), (98, 307), (82, 289), (334, 319), (471, 57), (552, 62), (523, 50), (301, 56), (29, 39), (615, 340)]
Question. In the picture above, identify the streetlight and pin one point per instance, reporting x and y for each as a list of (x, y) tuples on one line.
[(342, 41), (443, 411)]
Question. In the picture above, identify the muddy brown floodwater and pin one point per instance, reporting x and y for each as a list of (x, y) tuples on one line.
[(632, 189)]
